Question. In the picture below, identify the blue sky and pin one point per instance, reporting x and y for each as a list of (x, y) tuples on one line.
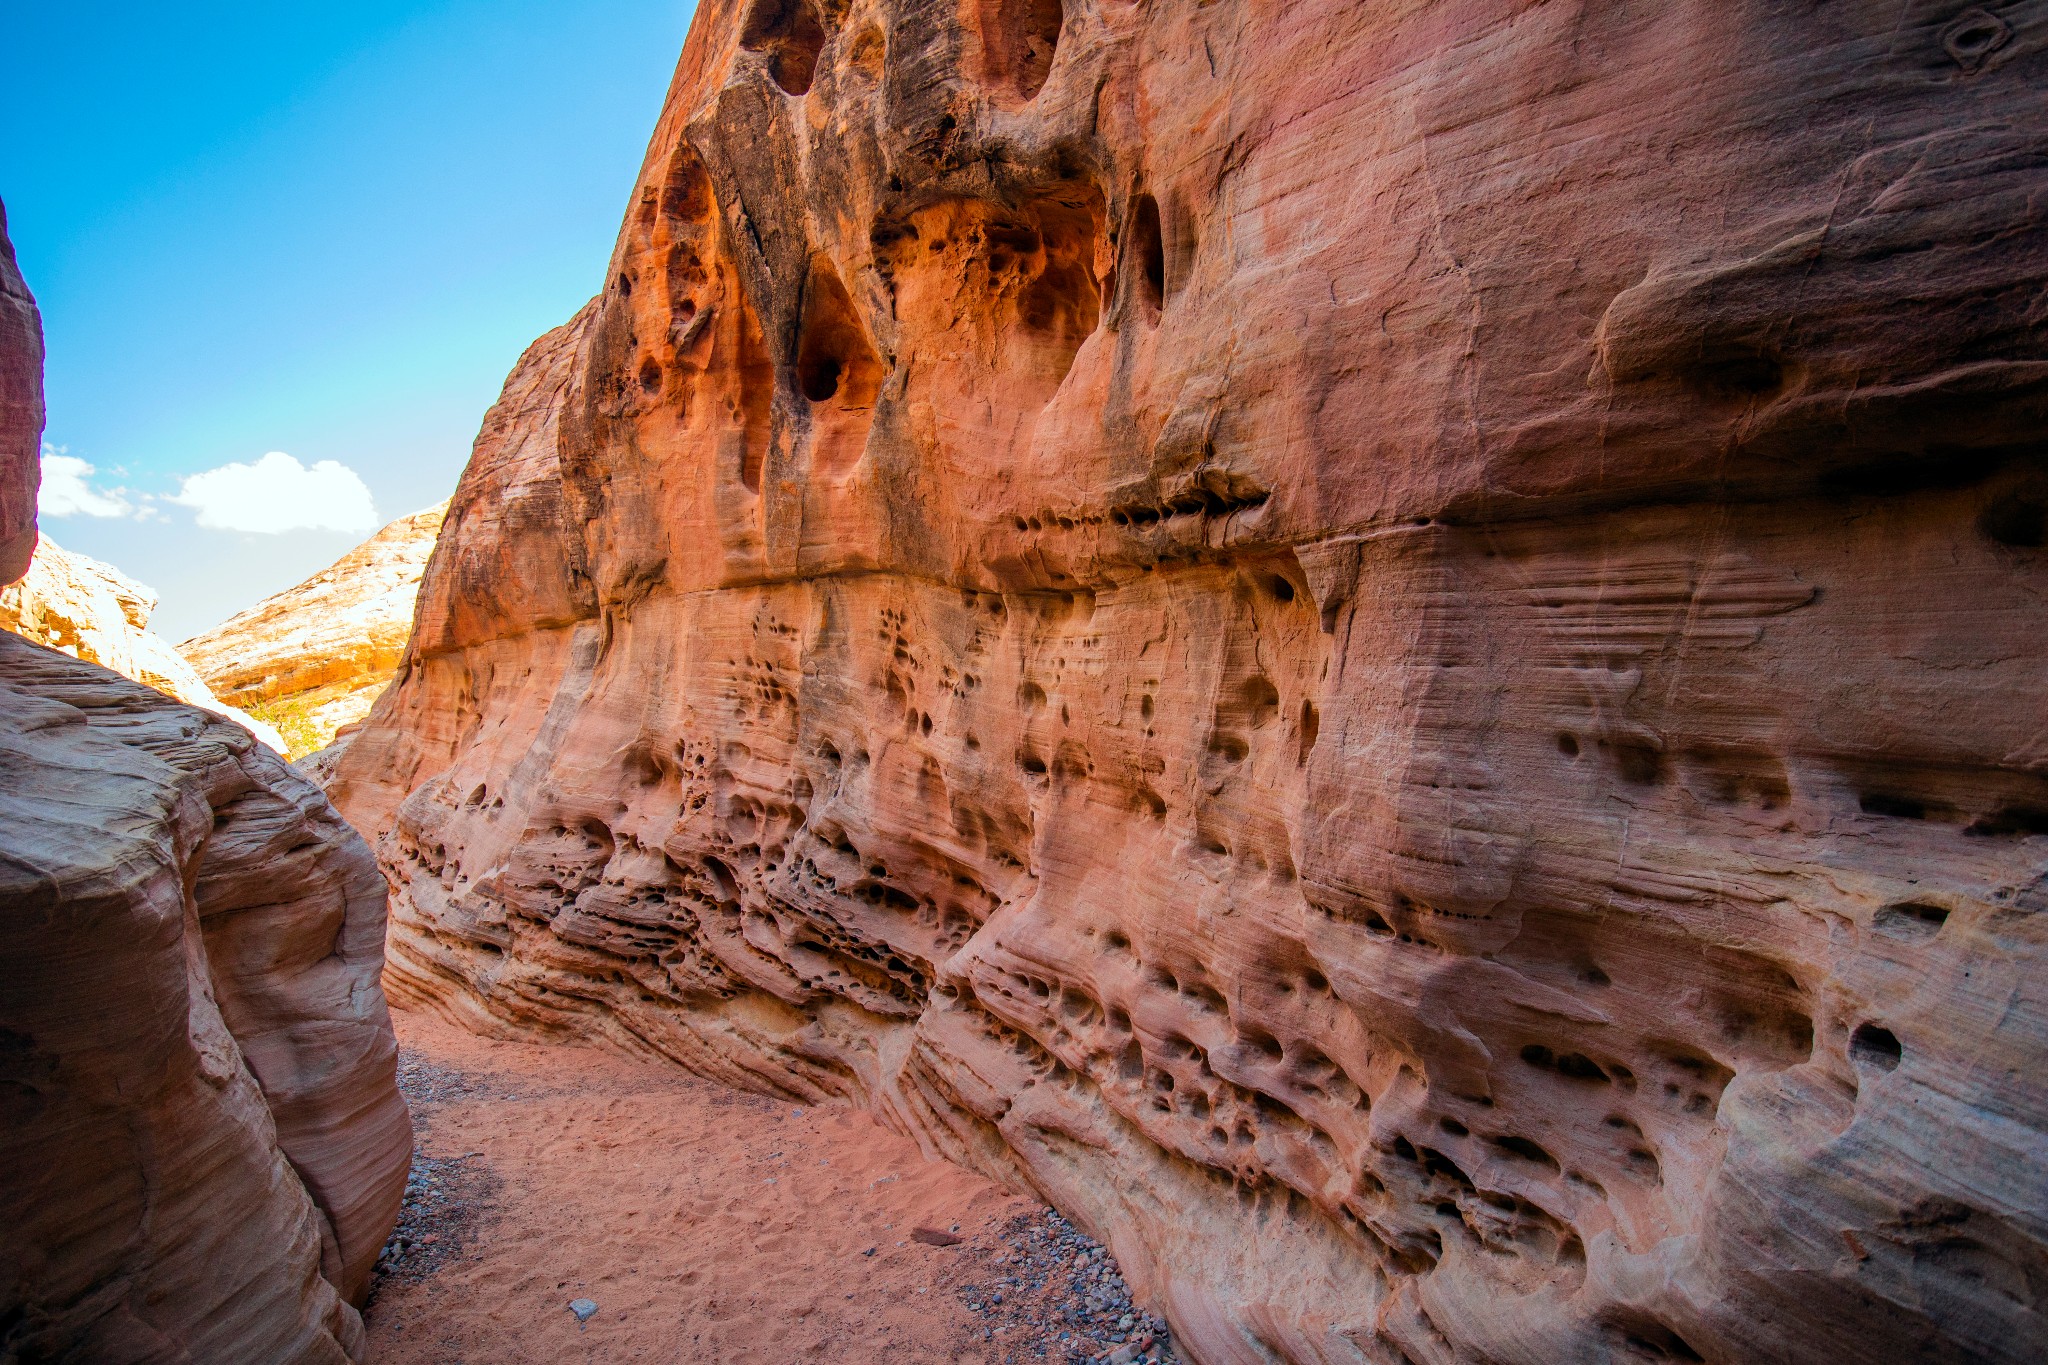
[(324, 229)]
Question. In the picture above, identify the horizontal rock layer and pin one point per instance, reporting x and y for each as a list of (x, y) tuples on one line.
[(314, 657), (1394, 651)]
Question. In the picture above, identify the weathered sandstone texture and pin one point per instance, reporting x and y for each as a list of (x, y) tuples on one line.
[(1396, 651), (93, 611), (202, 1144), (314, 657)]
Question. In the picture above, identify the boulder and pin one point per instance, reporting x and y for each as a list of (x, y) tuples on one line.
[(204, 1144)]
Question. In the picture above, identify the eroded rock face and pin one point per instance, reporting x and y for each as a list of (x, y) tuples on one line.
[(93, 611), (21, 413), (1395, 651), (204, 1146), (315, 656)]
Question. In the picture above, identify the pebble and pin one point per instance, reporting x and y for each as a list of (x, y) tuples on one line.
[(583, 1308)]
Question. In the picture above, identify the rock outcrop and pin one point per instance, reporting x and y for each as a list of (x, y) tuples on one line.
[(21, 413), (202, 1144), (1395, 651), (93, 611), (314, 657)]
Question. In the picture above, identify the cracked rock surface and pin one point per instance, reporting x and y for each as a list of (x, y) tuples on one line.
[(1395, 653)]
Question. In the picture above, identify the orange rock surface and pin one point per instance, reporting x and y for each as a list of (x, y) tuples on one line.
[(315, 656), (202, 1144), (1396, 652)]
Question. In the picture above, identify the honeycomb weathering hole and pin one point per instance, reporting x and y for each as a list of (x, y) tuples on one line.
[(789, 32), (1147, 250), (1876, 1046), (836, 370), (834, 357), (1018, 40)]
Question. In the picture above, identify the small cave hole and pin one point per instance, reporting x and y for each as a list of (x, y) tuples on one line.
[(835, 360), (789, 32), (820, 377), (1148, 248), (1019, 39), (1974, 36), (1874, 1045), (2018, 520), (1892, 806), (1568, 744), (1311, 727), (1913, 921), (1638, 763), (2008, 821)]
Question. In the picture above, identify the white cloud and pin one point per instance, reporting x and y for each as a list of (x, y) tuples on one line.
[(68, 490), (278, 494)]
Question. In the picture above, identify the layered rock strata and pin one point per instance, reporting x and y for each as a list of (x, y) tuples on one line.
[(92, 611), (1395, 651), (202, 1144), (314, 657)]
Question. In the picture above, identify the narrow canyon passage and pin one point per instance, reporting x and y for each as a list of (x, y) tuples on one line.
[(706, 1224)]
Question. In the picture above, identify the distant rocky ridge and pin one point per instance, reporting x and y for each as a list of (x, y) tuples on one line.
[(93, 611), (312, 659)]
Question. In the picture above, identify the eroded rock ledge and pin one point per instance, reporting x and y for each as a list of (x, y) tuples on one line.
[(1396, 652)]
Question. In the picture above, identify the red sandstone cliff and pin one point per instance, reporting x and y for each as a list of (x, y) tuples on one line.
[(21, 414), (1395, 651), (202, 1144)]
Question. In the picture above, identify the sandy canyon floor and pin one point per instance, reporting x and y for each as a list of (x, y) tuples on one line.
[(707, 1225)]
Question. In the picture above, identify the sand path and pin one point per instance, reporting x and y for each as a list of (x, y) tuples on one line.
[(707, 1225)]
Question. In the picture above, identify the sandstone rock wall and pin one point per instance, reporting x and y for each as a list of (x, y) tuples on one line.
[(202, 1144), (314, 657), (1395, 651), (21, 413), (93, 611)]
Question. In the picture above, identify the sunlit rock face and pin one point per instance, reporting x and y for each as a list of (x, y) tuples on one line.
[(92, 611), (314, 657), (1395, 651)]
